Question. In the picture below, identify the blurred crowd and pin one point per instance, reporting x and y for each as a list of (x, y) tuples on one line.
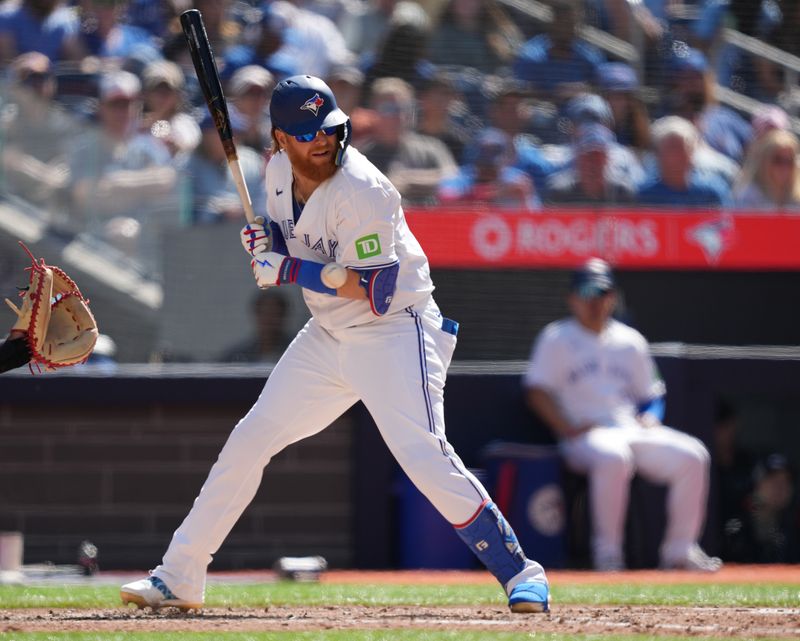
[(105, 132)]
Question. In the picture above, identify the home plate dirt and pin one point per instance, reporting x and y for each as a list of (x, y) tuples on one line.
[(740, 622)]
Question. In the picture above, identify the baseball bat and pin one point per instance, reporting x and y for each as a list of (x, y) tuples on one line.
[(206, 69)]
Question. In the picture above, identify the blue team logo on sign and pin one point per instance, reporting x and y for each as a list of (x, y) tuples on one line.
[(313, 104)]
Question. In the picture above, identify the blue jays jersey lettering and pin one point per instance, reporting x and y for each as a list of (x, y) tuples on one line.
[(369, 235), (598, 379)]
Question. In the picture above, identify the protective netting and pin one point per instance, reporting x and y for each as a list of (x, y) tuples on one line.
[(513, 107)]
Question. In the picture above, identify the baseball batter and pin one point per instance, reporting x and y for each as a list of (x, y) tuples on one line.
[(593, 381), (337, 229)]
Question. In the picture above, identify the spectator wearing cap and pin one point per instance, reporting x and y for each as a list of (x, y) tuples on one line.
[(164, 118), (624, 165), (677, 183), (347, 84), (589, 182), (770, 179), (46, 26), (363, 26), (443, 115), (766, 529), (402, 50), (105, 35), (619, 85), (118, 172), (558, 63), (249, 90), (592, 380), (214, 195), (690, 94), (490, 178), (509, 110), (415, 163), (36, 133), (474, 34)]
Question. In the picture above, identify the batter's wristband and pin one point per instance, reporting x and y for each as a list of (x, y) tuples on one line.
[(305, 273)]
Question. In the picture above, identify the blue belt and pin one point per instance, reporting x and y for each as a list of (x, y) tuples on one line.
[(450, 326)]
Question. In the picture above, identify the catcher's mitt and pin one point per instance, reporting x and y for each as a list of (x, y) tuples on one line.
[(55, 317)]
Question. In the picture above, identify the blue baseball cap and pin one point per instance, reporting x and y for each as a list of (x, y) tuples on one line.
[(617, 76), (592, 137), (589, 107), (592, 279), (688, 59)]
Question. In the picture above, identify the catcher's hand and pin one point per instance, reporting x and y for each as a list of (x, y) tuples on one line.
[(55, 318)]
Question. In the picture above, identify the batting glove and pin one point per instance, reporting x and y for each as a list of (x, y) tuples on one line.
[(266, 266), (256, 237)]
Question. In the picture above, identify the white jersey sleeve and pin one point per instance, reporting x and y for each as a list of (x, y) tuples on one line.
[(646, 380), (365, 229), (546, 361)]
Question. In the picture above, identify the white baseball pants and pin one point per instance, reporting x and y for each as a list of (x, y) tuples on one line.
[(396, 366), (610, 456)]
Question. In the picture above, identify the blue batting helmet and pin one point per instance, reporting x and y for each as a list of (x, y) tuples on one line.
[(305, 104), (593, 278)]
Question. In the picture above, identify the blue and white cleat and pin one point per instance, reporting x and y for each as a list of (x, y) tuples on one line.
[(530, 597), (153, 592)]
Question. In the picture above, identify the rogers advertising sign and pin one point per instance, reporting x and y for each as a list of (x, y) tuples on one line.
[(635, 238)]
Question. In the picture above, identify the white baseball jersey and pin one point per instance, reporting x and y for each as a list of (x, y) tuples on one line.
[(396, 364), (353, 218), (597, 379)]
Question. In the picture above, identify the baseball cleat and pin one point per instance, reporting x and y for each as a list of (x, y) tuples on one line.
[(530, 597), (696, 559), (154, 593)]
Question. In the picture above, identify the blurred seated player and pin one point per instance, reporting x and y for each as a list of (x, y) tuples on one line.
[(270, 313), (558, 64), (214, 195), (592, 380), (770, 178), (677, 183), (46, 26), (35, 133), (589, 181), (490, 177), (474, 33), (415, 163), (248, 91), (164, 116)]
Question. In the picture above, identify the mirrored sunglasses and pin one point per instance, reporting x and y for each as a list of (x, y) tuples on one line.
[(328, 131)]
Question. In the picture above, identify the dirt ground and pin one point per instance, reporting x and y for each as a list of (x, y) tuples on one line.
[(563, 619)]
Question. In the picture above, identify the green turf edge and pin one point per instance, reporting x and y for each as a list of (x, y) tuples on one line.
[(309, 594)]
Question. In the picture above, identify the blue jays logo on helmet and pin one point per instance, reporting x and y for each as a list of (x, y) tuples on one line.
[(305, 104), (313, 104)]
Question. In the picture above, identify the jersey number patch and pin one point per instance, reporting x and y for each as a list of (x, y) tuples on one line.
[(368, 246)]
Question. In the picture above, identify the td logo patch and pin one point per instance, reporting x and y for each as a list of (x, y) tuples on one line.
[(368, 246)]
